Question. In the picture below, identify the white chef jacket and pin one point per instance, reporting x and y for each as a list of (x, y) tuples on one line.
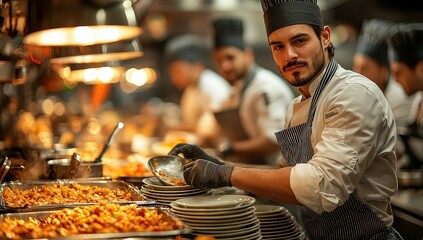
[(209, 93), (353, 137), (400, 103)]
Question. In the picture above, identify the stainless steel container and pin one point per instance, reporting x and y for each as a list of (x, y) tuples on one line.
[(60, 168), (138, 235), (138, 197)]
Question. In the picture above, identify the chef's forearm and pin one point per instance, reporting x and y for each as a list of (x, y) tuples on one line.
[(268, 183)]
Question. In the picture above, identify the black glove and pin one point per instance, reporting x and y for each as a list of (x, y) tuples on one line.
[(192, 152), (205, 174)]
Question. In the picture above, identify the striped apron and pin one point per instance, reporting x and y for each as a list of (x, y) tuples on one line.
[(352, 220)]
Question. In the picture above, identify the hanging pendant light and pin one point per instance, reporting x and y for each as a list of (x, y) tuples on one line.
[(80, 22), (88, 41)]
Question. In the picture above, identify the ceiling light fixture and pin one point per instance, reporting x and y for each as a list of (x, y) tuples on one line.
[(80, 23)]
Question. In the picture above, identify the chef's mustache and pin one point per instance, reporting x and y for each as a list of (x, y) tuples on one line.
[(293, 64)]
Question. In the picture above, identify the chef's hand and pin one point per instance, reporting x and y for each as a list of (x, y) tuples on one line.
[(192, 152), (205, 174)]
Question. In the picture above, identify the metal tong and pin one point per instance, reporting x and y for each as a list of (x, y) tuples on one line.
[(5, 166)]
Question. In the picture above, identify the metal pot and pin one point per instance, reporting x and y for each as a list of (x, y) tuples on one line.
[(60, 168)]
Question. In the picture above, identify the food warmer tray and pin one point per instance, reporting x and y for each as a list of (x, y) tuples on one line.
[(186, 230), (139, 198)]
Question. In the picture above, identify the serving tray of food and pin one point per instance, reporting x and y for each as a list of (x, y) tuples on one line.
[(101, 221), (57, 194)]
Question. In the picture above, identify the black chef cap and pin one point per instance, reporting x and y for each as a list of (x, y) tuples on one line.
[(282, 13), (228, 32), (406, 43), (372, 40), (185, 47)]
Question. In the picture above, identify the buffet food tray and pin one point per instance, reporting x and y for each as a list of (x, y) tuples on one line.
[(184, 230), (137, 197)]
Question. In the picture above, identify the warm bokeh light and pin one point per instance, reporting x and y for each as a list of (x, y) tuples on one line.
[(129, 74), (139, 77), (157, 25), (48, 106), (105, 74), (59, 109), (64, 72), (90, 75), (152, 75)]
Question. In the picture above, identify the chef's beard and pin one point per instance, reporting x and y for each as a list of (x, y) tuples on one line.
[(318, 62), (237, 74)]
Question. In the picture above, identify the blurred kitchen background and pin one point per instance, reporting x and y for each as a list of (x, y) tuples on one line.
[(62, 93), (58, 96)]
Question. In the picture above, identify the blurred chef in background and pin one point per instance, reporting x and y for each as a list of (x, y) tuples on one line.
[(202, 89), (406, 59), (405, 53), (371, 60), (258, 102)]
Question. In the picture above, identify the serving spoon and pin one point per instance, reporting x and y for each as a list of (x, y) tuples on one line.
[(111, 139), (169, 170)]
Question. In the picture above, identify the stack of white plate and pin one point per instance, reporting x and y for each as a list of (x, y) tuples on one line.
[(162, 194), (221, 216), (277, 223)]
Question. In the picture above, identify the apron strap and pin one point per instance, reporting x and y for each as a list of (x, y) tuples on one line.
[(327, 76), (248, 79)]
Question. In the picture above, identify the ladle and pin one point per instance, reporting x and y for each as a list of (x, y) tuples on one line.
[(111, 139), (169, 170)]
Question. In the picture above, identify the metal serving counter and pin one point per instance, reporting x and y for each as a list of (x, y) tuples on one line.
[(407, 206)]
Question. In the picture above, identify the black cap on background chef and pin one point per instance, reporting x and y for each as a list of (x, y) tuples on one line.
[(405, 52), (371, 56), (187, 47), (406, 44), (372, 40), (228, 32), (282, 13)]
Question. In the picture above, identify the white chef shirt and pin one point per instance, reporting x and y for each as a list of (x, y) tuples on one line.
[(353, 137), (400, 103), (264, 104), (209, 93)]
